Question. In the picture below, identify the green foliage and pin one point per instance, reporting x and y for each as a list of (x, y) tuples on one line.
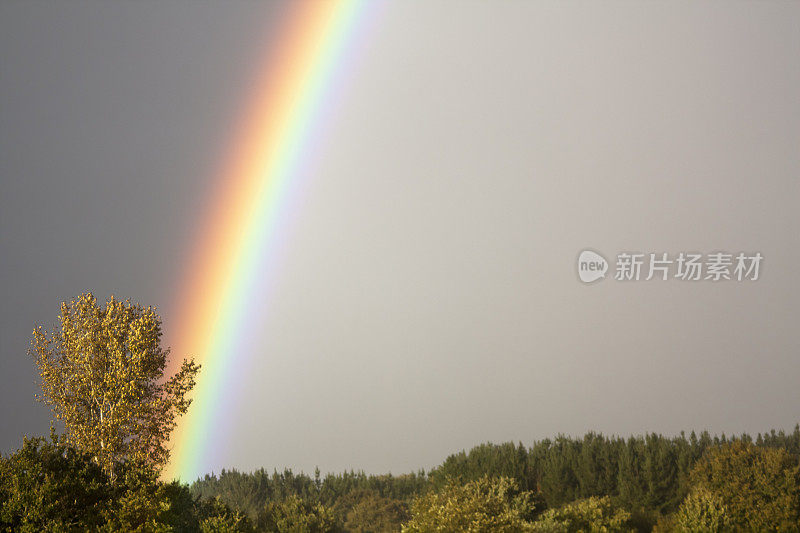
[(216, 517), (142, 503), (50, 486), (641, 472), (702, 511), (648, 476), (45, 486), (251, 492), (758, 489), (366, 511), (483, 505), (732, 485), (593, 515), (665, 524), (652, 472), (506, 460), (296, 515)]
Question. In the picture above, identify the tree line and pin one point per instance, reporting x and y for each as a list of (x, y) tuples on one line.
[(649, 477), (103, 375)]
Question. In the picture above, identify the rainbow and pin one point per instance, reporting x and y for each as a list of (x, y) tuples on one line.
[(283, 119)]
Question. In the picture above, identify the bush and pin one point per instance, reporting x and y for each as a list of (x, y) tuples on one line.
[(702, 511), (484, 505), (49, 486), (216, 517), (587, 515), (756, 489), (366, 511), (296, 515)]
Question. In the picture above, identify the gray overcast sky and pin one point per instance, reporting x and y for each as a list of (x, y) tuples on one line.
[(427, 299)]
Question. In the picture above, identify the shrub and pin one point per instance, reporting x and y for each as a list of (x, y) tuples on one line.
[(366, 511), (758, 489), (702, 511), (484, 505), (48, 486), (587, 515), (296, 515)]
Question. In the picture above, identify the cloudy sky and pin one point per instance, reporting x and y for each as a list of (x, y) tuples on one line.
[(426, 298)]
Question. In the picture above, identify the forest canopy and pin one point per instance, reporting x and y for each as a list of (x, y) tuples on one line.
[(103, 373)]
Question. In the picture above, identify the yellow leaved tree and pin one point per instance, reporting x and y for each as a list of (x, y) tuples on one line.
[(102, 374)]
